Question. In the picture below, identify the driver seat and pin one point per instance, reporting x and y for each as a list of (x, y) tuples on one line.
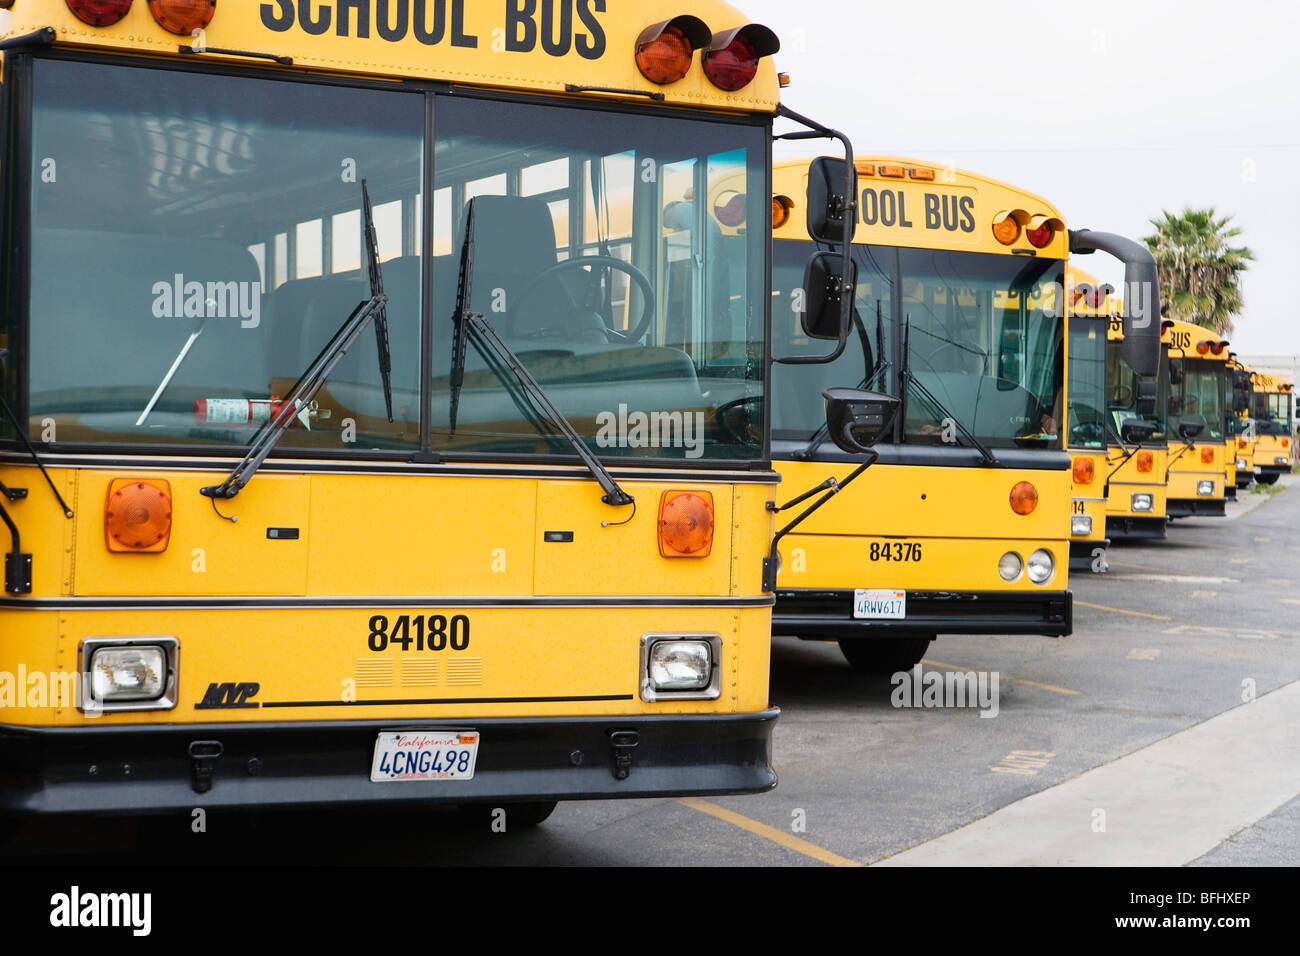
[(514, 243)]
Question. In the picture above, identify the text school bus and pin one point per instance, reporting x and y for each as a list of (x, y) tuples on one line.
[(1196, 360), (1273, 420), (506, 546), (962, 524)]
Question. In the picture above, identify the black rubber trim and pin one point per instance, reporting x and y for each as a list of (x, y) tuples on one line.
[(135, 769), (436, 601), (1195, 507), (827, 614), (933, 456)]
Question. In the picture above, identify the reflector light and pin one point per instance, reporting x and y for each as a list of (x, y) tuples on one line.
[(781, 206), (1241, 443), (1203, 348), (897, 172), (99, 13), (686, 524), (1145, 461), (183, 17), (1217, 348), (1006, 229), (731, 60), (866, 169), (1024, 498), (730, 209), (1083, 471), (919, 172), (783, 79), (138, 515), (1207, 456), (1286, 443), (1040, 232)]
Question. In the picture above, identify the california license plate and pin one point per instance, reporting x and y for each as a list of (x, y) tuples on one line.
[(880, 604), (424, 755)]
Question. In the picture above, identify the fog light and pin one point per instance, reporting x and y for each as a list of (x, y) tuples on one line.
[(680, 665), (1041, 566), (128, 673), (1080, 524), (1010, 565), (1142, 502), (1205, 487)]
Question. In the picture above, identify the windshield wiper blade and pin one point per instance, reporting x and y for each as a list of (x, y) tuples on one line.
[(490, 344), (381, 313), (310, 382), (31, 450)]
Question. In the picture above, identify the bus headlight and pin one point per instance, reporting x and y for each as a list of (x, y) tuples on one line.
[(1242, 463), (1205, 487), (133, 673), (1010, 565), (1080, 524), (1041, 566), (1142, 501), (676, 666)]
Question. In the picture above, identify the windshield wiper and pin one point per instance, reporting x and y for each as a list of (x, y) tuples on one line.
[(14, 494), (171, 372), (490, 344), (909, 379), (309, 383)]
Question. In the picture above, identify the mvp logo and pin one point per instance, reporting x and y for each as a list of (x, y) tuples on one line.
[(228, 696)]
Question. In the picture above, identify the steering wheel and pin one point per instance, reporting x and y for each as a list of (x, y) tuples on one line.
[(741, 428), (608, 262), (1121, 395)]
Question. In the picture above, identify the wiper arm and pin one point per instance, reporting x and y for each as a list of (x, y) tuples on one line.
[(304, 390), (31, 450), (491, 345), (909, 379), (171, 372)]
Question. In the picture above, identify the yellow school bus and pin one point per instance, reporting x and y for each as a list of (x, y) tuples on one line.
[(962, 524), (1243, 432), (1196, 362), (1273, 419), (1137, 452), (401, 404), (1091, 308)]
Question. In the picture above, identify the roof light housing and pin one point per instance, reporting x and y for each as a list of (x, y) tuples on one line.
[(664, 50), (730, 61)]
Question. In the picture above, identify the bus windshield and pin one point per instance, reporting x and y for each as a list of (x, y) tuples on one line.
[(982, 338), (1197, 398), (196, 241), (1087, 402), (1272, 413), (1122, 394)]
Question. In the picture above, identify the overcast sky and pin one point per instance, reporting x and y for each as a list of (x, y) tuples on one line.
[(1113, 110)]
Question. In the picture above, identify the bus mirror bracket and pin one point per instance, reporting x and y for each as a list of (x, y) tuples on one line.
[(1142, 308)]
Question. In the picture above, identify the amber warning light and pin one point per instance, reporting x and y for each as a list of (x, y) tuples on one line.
[(686, 524), (138, 515)]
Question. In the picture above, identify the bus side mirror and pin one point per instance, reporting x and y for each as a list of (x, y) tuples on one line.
[(1189, 430), (824, 292), (1240, 401), (1175, 371), (856, 419), (1146, 397), (832, 216), (1134, 431)]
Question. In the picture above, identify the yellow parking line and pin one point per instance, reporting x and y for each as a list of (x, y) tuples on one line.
[(787, 840), (1120, 610), (1011, 680)]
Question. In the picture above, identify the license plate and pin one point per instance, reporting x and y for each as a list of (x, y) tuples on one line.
[(424, 755), (880, 604)]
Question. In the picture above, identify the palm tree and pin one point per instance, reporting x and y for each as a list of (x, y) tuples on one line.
[(1199, 272)]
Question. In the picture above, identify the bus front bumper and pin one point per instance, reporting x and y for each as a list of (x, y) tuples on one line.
[(1135, 526), (140, 769), (1083, 553), (819, 615), (1193, 507)]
